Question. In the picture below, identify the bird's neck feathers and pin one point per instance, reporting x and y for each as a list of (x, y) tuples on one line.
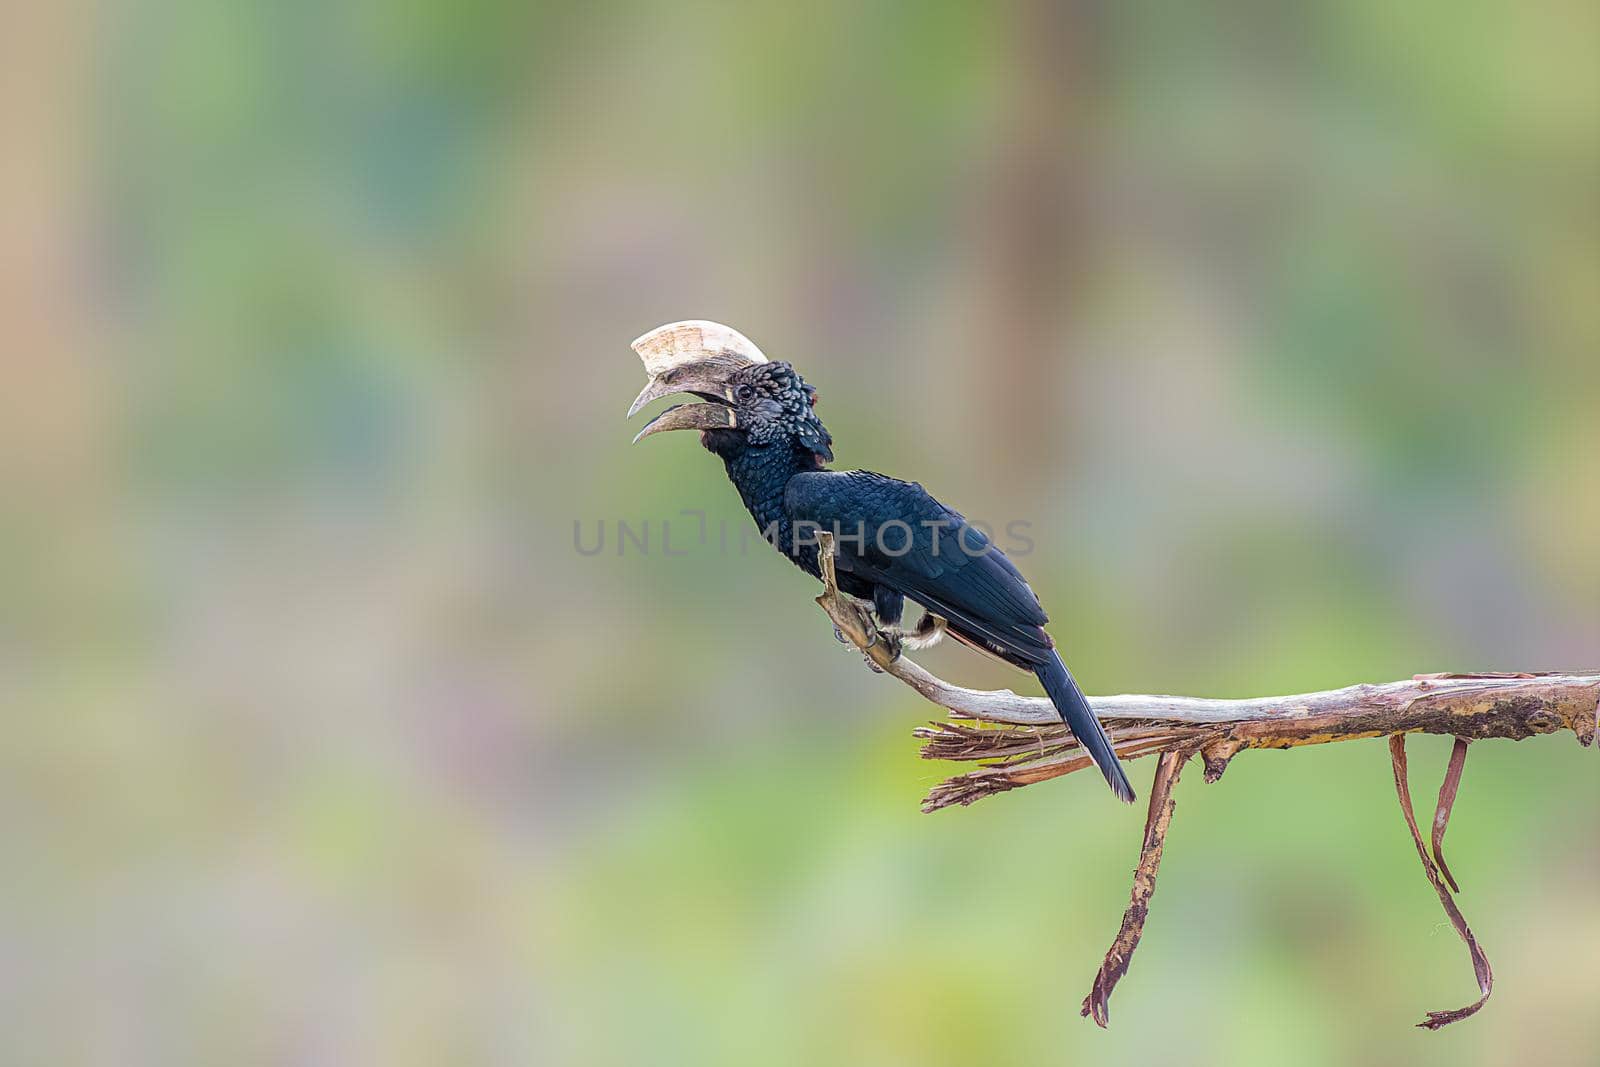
[(761, 474)]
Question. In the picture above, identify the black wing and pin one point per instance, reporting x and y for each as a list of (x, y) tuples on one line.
[(894, 534)]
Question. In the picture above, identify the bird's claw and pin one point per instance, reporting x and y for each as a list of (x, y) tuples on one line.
[(890, 641), (875, 637)]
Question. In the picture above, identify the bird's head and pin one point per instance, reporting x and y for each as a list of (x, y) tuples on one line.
[(748, 400)]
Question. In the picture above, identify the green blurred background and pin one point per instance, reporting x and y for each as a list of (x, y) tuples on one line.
[(324, 745)]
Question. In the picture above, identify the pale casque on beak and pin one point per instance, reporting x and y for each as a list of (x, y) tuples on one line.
[(696, 357)]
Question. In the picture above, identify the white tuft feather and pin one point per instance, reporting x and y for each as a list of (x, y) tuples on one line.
[(929, 632)]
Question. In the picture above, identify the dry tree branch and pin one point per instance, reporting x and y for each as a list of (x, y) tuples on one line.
[(1017, 741)]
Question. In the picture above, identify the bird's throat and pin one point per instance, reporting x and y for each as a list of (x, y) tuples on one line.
[(761, 474)]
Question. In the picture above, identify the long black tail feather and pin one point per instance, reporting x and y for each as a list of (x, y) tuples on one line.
[(1079, 717)]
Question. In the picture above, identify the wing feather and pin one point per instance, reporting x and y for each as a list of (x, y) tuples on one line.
[(896, 534)]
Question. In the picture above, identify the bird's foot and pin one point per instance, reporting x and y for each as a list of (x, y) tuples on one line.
[(891, 640)]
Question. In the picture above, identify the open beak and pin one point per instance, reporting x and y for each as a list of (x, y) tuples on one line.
[(690, 417), (705, 378), (696, 357)]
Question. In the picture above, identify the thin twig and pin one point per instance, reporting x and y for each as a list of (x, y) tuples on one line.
[(1159, 820), (1480, 963), (1447, 803)]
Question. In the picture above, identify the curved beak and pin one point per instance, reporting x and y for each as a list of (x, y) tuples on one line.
[(705, 378), (690, 417)]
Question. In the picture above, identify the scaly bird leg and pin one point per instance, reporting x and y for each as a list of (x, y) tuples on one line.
[(887, 636)]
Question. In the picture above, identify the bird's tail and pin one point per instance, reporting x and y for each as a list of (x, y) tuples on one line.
[(1079, 717)]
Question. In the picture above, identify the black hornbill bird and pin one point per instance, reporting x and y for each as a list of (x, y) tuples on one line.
[(894, 541)]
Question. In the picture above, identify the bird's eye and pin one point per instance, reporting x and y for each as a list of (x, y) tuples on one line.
[(745, 393)]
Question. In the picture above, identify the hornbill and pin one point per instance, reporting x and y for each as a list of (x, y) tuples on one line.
[(893, 541)]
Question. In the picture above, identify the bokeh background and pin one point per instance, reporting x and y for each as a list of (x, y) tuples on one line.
[(324, 745)]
